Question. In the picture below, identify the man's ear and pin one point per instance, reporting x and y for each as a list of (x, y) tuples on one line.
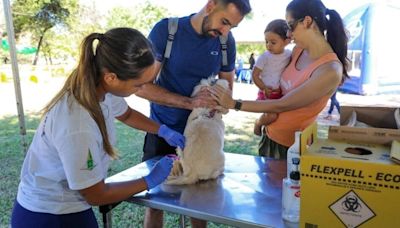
[(110, 78), (211, 4)]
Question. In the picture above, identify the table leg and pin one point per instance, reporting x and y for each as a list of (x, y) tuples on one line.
[(107, 220), (107, 215), (182, 221), (105, 210)]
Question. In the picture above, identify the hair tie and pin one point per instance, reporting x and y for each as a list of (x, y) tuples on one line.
[(100, 36), (327, 11)]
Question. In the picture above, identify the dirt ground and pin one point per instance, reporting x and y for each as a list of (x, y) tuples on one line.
[(36, 95)]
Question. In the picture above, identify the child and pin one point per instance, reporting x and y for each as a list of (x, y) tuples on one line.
[(269, 67)]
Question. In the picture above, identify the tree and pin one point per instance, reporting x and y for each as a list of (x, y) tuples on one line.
[(87, 20), (244, 49), (142, 17), (39, 16)]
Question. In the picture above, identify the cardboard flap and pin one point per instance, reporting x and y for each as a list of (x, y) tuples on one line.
[(366, 135), (382, 117), (395, 152), (308, 136)]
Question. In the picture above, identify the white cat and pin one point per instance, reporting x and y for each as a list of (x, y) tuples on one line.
[(203, 156)]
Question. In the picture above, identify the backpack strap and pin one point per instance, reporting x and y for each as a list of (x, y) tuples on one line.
[(172, 28), (224, 47)]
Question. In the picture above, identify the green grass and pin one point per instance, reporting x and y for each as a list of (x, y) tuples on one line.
[(11, 157), (239, 139)]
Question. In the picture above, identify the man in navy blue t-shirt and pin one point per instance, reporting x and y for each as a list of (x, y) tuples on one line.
[(195, 54)]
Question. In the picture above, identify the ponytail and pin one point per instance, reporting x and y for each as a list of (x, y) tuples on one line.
[(87, 78), (123, 51), (337, 38), (81, 84)]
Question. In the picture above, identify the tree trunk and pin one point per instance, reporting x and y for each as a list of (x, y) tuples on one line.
[(49, 55), (37, 51)]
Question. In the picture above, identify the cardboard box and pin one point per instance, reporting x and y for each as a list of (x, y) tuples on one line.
[(378, 117), (395, 152), (346, 182)]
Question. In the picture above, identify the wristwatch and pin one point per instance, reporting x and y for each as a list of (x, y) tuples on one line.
[(238, 105)]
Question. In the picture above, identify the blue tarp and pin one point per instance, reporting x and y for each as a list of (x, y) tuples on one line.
[(373, 49)]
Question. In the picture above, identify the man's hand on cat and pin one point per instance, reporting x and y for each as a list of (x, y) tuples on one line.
[(203, 99)]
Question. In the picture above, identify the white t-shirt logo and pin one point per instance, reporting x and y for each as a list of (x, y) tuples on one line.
[(90, 164)]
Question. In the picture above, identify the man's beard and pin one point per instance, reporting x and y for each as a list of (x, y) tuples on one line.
[(208, 32)]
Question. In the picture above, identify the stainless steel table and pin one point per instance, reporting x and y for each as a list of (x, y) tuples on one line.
[(247, 195)]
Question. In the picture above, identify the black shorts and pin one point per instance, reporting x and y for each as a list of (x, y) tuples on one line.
[(156, 146)]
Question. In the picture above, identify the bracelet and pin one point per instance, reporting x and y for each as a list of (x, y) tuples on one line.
[(238, 105)]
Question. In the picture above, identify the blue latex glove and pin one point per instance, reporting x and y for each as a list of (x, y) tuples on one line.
[(172, 137), (159, 172)]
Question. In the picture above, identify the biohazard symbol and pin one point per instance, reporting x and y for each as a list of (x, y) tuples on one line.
[(351, 204)]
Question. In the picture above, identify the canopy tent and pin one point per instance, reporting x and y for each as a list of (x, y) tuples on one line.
[(372, 49), (14, 64)]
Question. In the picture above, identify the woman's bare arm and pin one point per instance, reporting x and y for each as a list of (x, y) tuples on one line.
[(323, 81), (102, 193)]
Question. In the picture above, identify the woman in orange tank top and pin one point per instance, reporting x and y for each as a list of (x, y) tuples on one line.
[(317, 67)]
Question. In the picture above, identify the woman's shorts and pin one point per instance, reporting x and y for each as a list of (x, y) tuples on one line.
[(271, 149), (23, 218)]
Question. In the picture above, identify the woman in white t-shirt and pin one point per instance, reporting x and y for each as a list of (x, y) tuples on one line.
[(64, 170), (269, 67)]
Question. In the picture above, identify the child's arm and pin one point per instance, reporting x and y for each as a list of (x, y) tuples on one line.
[(256, 78)]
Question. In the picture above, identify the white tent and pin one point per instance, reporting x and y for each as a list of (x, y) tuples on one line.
[(14, 64), (373, 49)]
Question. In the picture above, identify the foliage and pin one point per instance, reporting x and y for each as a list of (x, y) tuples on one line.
[(37, 17), (244, 50), (57, 25), (62, 41), (65, 43), (142, 17), (120, 17)]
